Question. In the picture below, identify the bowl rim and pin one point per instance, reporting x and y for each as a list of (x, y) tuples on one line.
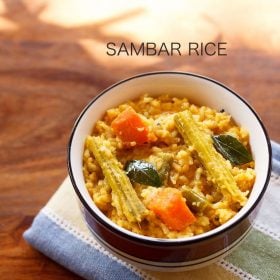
[(160, 241)]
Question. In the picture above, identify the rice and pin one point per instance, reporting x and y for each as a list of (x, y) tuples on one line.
[(185, 169)]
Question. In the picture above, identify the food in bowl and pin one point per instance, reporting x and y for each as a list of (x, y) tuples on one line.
[(186, 252), (163, 167)]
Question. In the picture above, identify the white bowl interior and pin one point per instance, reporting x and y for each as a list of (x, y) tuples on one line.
[(198, 90)]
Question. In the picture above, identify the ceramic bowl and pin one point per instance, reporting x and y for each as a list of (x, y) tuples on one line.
[(182, 253)]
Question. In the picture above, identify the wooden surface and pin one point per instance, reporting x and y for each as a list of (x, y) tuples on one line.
[(49, 71)]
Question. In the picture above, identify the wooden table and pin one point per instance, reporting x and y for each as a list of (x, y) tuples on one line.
[(49, 71)]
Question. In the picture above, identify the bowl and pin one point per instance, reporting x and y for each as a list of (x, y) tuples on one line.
[(182, 253)]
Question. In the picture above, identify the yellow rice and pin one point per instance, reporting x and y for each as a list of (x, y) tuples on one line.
[(186, 170)]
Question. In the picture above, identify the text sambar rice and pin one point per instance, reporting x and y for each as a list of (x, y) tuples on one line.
[(166, 168)]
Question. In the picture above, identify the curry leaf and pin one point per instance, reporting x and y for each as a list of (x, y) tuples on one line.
[(232, 149), (143, 172)]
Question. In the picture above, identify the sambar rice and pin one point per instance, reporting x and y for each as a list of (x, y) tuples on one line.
[(143, 174)]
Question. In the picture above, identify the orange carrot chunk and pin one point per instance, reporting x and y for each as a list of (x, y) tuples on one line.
[(129, 127), (168, 204)]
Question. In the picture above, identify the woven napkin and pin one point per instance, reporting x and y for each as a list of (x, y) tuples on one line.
[(59, 232)]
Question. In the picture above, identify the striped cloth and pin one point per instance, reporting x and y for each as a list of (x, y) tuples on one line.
[(59, 232)]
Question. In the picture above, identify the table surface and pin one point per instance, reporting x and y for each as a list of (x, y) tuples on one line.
[(53, 64)]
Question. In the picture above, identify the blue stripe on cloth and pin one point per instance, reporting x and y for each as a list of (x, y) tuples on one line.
[(73, 253), (275, 157)]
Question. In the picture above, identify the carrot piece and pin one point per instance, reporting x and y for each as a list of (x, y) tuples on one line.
[(168, 204), (129, 127)]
